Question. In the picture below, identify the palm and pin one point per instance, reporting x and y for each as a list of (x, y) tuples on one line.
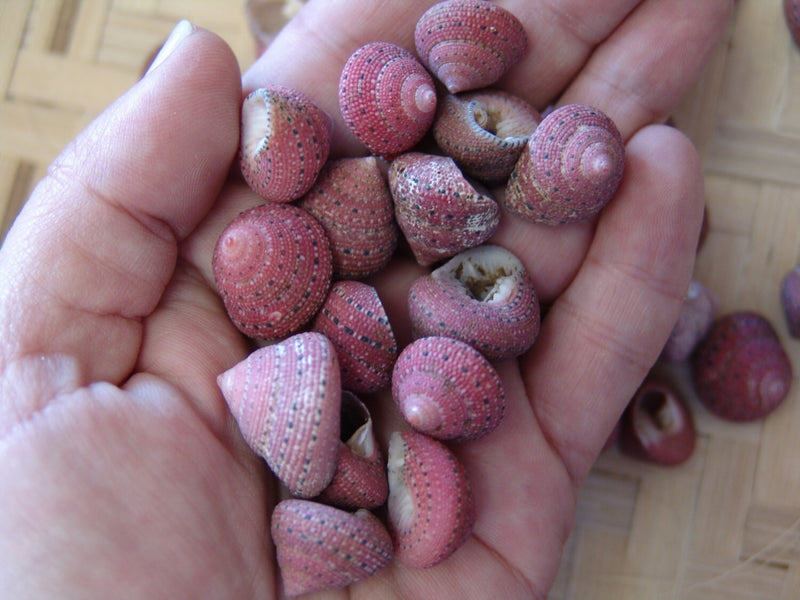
[(157, 477)]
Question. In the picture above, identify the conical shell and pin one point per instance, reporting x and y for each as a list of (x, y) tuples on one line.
[(272, 266), (447, 389), (484, 132), (387, 98), (320, 547), (790, 301), (571, 169), (437, 209), (482, 296), (431, 507), (354, 319), (286, 399), (469, 44), (285, 142), (351, 200)]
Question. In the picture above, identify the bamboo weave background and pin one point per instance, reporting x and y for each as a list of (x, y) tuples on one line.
[(724, 525)]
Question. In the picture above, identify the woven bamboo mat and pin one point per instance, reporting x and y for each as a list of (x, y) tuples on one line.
[(724, 525)]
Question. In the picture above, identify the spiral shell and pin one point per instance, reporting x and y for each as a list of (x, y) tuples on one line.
[(437, 209), (697, 314), (272, 266), (482, 296), (484, 132), (790, 301), (741, 371), (285, 141), (351, 200), (571, 168), (354, 319), (387, 98), (447, 389), (469, 44), (286, 399), (431, 507), (320, 547)]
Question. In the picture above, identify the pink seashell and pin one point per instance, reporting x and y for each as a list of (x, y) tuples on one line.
[(431, 508), (791, 11), (286, 399), (437, 209), (469, 44), (387, 98), (484, 297), (790, 301), (285, 142), (741, 371), (355, 321), (697, 313), (320, 547), (272, 265), (447, 389), (360, 477), (485, 132), (571, 168), (351, 200)]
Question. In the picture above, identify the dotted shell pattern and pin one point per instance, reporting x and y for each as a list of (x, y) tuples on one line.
[(469, 44), (273, 267), (285, 142), (320, 547), (571, 169), (387, 98)]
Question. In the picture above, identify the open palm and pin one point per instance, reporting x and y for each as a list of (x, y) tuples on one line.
[(121, 472)]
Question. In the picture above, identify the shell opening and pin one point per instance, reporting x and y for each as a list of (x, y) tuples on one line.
[(400, 502), (489, 278), (256, 124), (658, 415), (356, 426)]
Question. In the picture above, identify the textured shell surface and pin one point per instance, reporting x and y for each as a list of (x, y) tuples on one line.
[(791, 10), (695, 319), (571, 168), (445, 388), (351, 200), (386, 97), (354, 319), (483, 296), (790, 301), (484, 132), (320, 547), (286, 399), (469, 44), (431, 508), (740, 369), (360, 478), (272, 266), (439, 212), (285, 142)]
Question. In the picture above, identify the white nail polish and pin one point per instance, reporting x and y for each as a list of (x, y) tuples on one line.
[(180, 33)]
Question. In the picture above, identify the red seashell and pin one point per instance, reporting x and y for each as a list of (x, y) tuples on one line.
[(286, 399), (321, 547), (387, 98), (351, 200), (431, 508), (437, 209), (695, 319), (741, 371), (272, 265), (790, 301), (469, 44), (285, 142)]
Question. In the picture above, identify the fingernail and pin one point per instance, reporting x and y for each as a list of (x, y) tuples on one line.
[(180, 33)]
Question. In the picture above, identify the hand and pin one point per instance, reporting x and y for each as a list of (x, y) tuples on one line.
[(121, 473)]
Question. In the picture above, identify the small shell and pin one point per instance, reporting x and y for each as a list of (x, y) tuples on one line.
[(272, 265), (285, 142), (355, 321), (437, 209), (790, 301), (320, 547), (431, 507), (697, 313), (286, 399), (447, 389), (791, 10), (387, 98), (741, 371), (351, 200), (571, 168), (469, 44), (484, 297), (360, 477), (485, 132)]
